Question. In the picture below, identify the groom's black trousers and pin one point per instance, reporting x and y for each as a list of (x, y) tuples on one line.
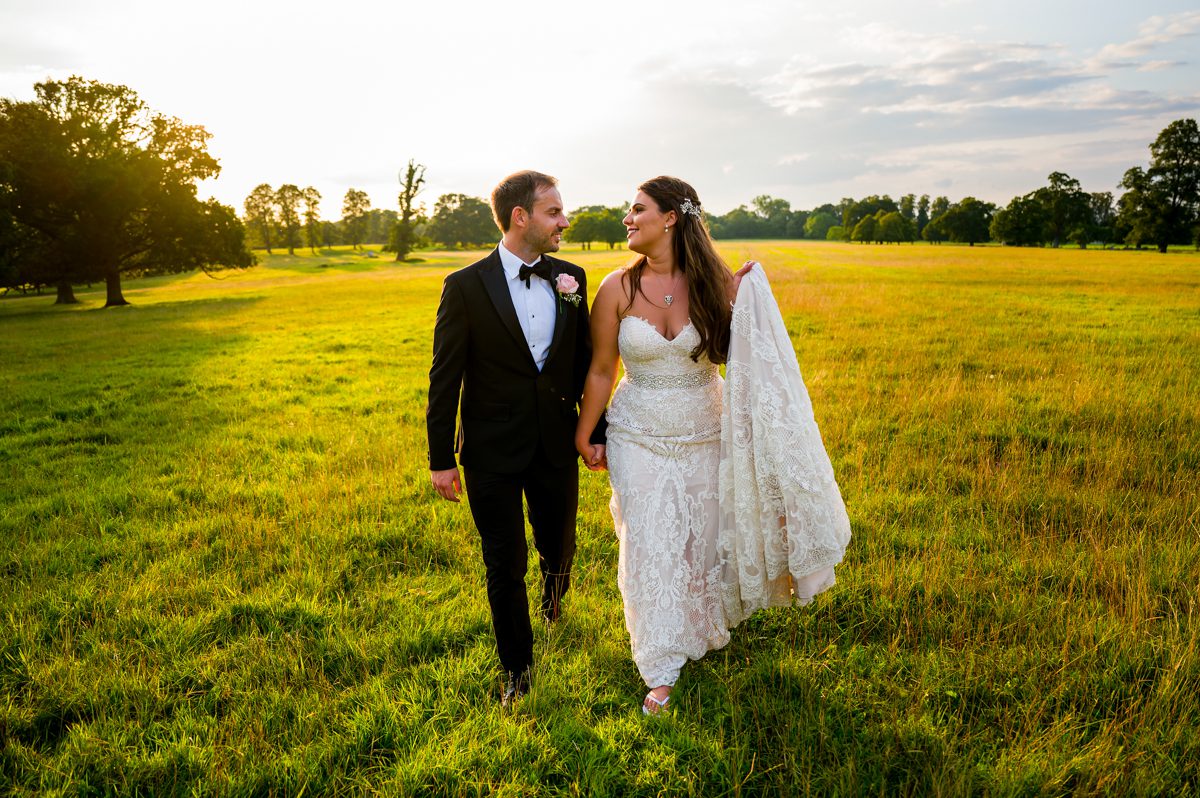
[(552, 493)]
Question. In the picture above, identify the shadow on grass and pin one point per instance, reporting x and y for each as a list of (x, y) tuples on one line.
[(90, 301), (364, 265), (89, 398), (96, 384)]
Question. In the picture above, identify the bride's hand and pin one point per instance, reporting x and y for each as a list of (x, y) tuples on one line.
[(592, 454), (601, 457), (742, 272)]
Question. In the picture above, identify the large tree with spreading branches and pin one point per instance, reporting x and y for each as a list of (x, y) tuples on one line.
[(102, 186)]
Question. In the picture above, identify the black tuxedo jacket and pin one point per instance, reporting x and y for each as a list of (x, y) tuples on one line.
[(508, 407)]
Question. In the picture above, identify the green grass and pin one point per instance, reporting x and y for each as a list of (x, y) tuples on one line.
[(224, 572)]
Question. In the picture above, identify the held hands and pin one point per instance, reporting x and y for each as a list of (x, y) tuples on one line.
[(447, 483), (592, 453)]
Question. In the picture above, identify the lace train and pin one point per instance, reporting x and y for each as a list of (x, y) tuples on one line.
[(783, 522)]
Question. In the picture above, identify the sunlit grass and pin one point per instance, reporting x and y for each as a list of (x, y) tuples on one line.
[(224, 572)]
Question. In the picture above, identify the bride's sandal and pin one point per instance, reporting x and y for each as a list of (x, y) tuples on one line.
[(660, 705)]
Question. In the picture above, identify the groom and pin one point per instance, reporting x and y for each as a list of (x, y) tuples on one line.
[(512, 336)]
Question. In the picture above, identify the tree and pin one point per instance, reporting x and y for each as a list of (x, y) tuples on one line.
[(934, 231), (611, 228), (908, 204), (24, 257), (312, 217), (922, 213), (329, 235), (864, 231), (379, 226), (110, 186), (835, 233), (461, 221), (867, 206), (774, 214), (404, 235), (1160, 204), (1022, 223), (287, 199), (1066, 206), (892, 228), (796, 223), (1136, 209), (968, 221), (355, 206), (597, 223), (24, 252), (261, 212), (1103, 216), (818, 224), (585, 226), (1175, 163), (740, 222), (10, 234), (1081, 235)]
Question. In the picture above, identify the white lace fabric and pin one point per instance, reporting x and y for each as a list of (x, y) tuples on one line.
[(784, 525)]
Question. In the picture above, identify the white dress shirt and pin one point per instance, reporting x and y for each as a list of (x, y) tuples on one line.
[(534, 305)]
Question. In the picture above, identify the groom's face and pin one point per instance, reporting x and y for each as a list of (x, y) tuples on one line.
[(547, 220)]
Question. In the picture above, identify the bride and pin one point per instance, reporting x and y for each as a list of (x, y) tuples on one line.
[(722, 493)]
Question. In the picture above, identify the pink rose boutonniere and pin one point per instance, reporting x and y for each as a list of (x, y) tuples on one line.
[(568, 288)]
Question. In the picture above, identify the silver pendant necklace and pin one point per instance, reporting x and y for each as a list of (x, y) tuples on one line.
[(669, 298)]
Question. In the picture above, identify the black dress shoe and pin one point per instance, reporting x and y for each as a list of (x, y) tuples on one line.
[(516, 686)]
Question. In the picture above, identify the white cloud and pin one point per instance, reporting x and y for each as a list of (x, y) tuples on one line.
[(1157, 66), (1155, 33), (741, 99), (953, 77)]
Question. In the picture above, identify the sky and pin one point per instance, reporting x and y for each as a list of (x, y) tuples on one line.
[(797, 100)]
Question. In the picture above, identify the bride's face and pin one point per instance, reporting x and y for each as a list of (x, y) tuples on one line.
[(645, 225)]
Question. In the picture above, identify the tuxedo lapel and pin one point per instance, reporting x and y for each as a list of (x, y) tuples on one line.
[(561, 310), (494, 280)]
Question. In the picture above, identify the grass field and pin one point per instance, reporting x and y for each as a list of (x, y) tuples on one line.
[(224, 572)]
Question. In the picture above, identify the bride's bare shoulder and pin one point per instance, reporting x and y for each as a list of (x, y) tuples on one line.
[(614, 279), (614, 287)]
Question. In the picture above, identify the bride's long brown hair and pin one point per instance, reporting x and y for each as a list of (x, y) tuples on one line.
[(707, 275)]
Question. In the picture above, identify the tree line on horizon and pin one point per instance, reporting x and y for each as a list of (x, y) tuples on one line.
[(95, 185), (1160, 207)]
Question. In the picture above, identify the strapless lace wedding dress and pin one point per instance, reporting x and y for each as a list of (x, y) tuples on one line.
[(664, 449), (723, 495)]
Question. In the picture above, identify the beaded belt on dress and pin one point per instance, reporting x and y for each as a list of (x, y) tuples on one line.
[(695, 379)]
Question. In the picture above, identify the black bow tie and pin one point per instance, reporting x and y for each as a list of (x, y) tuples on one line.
[(541, 269)]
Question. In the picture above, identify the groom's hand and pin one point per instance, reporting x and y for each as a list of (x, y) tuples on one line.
[(447, 483)]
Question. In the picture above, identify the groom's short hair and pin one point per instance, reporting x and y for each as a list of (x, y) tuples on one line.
[(518, 190)]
